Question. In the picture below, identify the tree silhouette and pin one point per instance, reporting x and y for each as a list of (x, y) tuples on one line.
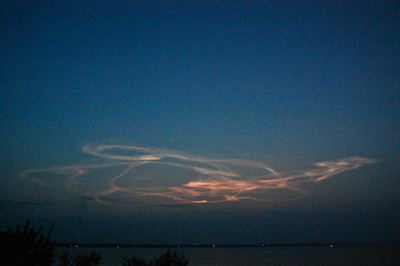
[(133, 261), (93, 259), (166, 259), (65, 259), (26, 247), (169, 259)]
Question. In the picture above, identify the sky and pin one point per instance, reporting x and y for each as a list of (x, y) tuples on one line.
[(201, 122)]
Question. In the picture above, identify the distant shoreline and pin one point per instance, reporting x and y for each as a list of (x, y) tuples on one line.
[(83, 245)]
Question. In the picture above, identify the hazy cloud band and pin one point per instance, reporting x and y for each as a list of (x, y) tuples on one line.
[(130, 175)]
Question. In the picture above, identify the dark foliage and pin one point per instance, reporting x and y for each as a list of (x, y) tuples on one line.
[(93, 259), (166, 259), (169, 259), (65, 259), (134, 261), (26, 247), (87, 260)]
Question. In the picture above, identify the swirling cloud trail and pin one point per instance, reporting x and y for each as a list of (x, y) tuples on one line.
[(135, 174)]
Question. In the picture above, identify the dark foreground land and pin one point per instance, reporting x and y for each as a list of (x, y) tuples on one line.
[(27, 246), (86, 245), (238, 255)]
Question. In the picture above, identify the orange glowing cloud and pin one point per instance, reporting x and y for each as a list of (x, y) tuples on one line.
[(134, 174)]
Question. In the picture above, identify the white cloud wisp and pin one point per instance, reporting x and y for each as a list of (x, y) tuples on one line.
[(140, 175)]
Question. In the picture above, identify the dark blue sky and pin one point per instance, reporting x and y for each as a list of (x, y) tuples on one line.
[(228, 103)]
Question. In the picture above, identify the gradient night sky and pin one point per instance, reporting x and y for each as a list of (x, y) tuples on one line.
[(208, 122)]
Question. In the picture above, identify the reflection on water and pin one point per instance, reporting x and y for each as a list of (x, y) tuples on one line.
[(367, 254)]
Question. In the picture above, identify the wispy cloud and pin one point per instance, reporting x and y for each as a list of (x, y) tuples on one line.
[(153, 176)]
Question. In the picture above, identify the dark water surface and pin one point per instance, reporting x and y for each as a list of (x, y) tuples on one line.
[(367, 254)]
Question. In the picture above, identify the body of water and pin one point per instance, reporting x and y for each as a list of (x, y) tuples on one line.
[(367, 254)]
